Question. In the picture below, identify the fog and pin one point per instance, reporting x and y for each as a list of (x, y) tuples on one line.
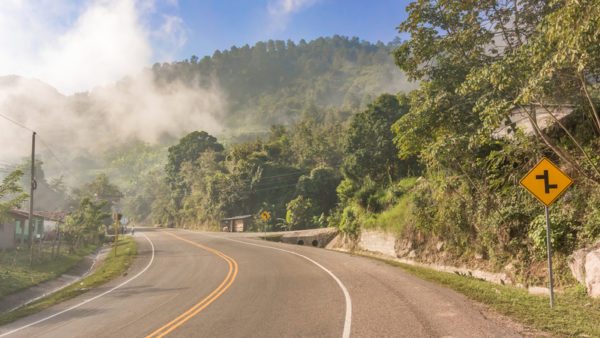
[(91, 122)]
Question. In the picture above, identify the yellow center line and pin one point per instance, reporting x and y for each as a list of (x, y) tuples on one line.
[(194, 310)]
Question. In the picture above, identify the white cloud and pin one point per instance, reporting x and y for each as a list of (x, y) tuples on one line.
[(281, 11), (285, 7), (75, 47), (169, 37)]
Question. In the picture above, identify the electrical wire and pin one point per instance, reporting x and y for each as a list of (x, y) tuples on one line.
[(17, 123), (48, 148), (55, 157)]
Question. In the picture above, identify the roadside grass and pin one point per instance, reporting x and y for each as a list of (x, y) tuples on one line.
[(388, 219), (272, 238), (17, 274), (110, 269), (574, 313)]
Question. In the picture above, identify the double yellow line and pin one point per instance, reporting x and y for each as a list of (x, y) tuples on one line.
[(194, 310)]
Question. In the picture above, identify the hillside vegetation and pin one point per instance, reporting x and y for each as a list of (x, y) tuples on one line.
[(273, 82), (311, 137), (474, 74)]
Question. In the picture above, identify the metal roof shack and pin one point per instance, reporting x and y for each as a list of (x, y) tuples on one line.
[(56, 216), (236, 224), (15, 228)]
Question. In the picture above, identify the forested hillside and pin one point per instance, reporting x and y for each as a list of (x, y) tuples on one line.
[(430, 166), (272, 82), (327, 133), (124, 130)]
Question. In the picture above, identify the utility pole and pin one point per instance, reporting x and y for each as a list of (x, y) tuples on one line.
[(116, 231), (31, 189)]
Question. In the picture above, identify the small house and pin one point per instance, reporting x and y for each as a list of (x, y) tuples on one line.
[(21, 221), (15, 228), (8, 230), (237, 223), (52, 219)]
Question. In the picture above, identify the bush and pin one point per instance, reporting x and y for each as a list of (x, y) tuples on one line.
[(562, 232), (364, 196), (591, 221), (300, 212), (349, 221)]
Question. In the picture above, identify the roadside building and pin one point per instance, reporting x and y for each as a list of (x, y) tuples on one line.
[(21, 221), (15, 228), (52, 220), (8, 235), (237, 223)]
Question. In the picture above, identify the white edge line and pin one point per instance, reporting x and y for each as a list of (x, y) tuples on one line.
[(88, 300), (348, 317)]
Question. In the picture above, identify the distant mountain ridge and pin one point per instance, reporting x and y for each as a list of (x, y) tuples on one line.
[(272, 82), (242, 90)]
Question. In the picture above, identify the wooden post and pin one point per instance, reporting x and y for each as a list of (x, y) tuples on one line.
[(31, 189), (116, 231)]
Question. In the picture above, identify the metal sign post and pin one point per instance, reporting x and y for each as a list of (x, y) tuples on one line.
[(547, 182), (265, 216), (549, 245)]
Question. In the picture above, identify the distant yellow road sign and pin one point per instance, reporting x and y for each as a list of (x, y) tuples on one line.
[(265, 215), (546, 182)]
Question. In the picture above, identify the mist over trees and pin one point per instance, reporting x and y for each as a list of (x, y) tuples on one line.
[(272, 82), (288, 105), (329, 133), (428, 165)]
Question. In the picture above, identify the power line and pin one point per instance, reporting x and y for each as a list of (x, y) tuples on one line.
[(273, 188), (299, 172), (252, 191), (48, 148), (55, 157), (283, 175), (17, 123)]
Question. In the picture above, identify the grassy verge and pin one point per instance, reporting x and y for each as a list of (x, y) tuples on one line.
[(272, 238), (17, 274), (574, 313), (111, 268)]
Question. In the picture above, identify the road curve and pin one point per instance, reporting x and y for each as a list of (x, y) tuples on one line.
[(224, 285)]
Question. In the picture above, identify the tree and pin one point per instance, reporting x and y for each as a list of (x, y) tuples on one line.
[(320, 189), (555, 68), (448, 42), (48, 195), (85, 225), (100, 190), (369, 145), (11, 193), (300, 213), (188, 149)]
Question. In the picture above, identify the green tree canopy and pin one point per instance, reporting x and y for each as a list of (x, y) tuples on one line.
[(319, 187), (189, 149), (369, 145), (11, 193), (100, 191)]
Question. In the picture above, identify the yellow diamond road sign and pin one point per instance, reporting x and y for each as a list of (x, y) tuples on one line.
[(546, 182), (265, 215)]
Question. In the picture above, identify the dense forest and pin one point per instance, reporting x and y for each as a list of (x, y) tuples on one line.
[(287, 108), (272, 82), (429, 165), (342, 142)]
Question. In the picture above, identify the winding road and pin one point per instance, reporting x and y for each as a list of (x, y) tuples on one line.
[(198, 284)]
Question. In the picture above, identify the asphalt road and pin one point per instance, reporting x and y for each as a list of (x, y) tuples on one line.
[(194, 284)]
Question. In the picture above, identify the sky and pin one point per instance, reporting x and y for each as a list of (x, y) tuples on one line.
[(76, 46)]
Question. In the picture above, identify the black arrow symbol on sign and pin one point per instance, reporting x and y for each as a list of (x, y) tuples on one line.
[(547, 185)]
